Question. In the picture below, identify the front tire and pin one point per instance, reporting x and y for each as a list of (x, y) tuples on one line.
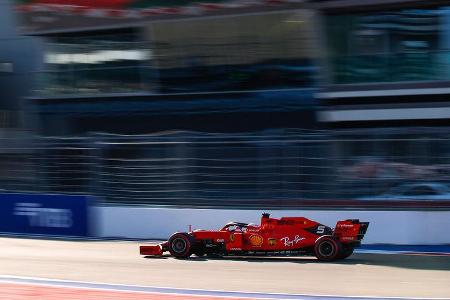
[(327, 248), (180, 245)]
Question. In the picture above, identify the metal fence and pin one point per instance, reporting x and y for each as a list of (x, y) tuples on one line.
[(45, 165), (213, 169), (266, 169)]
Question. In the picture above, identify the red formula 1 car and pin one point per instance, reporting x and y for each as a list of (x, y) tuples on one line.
[(285, 236)]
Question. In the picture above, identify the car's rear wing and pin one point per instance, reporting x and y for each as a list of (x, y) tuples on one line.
[(350, 231)]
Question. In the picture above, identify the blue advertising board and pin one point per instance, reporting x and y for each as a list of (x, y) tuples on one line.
[(61, 215)]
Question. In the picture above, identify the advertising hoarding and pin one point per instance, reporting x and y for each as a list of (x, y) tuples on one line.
[(60, 215)]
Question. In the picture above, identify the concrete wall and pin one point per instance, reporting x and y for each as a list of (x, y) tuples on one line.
[(391, 227)]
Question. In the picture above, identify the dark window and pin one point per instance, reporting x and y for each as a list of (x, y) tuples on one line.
[(403, 45), (97, 63), (256, 52)]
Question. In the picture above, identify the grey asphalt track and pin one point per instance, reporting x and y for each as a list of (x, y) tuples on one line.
[(379, 275)]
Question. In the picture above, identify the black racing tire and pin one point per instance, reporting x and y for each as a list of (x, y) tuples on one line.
[(346, 251), (327, 248), (180, 245)]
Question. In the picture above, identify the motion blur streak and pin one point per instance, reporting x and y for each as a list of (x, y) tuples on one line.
[(118, 263), (55, 289), (135, 119), (30, 292)]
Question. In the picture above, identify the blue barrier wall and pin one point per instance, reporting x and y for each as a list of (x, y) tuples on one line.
[(44, 214)]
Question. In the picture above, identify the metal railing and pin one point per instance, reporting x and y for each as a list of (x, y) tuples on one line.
[(266, 169), (212, 169)]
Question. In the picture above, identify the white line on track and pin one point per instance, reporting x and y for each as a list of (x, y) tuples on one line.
[(186, 292)]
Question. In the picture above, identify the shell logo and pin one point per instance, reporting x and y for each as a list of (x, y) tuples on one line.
[(256, 240)]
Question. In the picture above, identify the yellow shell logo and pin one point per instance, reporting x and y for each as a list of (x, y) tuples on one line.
[(256, 240)]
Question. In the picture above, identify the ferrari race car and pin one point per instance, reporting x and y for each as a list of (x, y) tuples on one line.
[(286, 236)]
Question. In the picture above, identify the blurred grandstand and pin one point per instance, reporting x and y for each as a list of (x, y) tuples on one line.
[(231, 103)]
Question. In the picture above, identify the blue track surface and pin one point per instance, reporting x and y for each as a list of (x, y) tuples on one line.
[(437, 249)]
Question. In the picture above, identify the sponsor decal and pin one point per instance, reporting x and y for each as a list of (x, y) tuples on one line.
[(256, 240), (39, 216), (44, 214), (236, 249), (220, 240), (289, 243), (321, 229), (272, 242), (232, 237)]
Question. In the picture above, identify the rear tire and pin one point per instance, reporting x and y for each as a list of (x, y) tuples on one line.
[(327, 248), (180, 245)]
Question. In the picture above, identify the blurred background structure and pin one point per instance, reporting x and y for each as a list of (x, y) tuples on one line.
[(226, 103)]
